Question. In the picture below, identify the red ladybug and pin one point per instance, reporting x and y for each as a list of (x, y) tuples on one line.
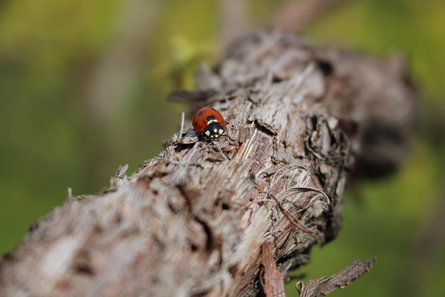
[(209, 122)]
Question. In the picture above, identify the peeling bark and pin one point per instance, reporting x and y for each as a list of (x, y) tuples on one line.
[(191, 221), (326, 285), (273, 283)]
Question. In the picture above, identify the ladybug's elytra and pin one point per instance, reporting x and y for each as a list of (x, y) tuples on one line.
[(209, 122)]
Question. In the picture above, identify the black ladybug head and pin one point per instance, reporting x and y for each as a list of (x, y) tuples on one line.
[(213, 130)]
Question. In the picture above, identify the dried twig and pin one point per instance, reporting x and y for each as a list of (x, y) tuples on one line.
[(325, 285), (295, 15)]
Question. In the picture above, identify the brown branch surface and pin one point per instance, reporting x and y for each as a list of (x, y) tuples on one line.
[(191, 222)]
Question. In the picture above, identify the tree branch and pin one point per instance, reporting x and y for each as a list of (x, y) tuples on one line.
[(192, 221)]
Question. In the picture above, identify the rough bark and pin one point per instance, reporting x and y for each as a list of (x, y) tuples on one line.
[(191, 221)]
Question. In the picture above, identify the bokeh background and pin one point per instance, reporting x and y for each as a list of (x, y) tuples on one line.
[(83, 86)]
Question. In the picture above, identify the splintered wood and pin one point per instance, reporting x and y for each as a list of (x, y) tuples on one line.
[(325, 285), (192, 220), (273, 283)]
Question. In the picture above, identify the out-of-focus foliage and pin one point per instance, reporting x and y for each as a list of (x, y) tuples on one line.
[(51, 139)]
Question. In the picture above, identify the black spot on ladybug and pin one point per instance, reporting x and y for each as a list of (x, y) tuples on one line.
[(199, 113), (196, 123), (211, 118)]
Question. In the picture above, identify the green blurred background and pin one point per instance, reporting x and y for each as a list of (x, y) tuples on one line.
[(83, 87)]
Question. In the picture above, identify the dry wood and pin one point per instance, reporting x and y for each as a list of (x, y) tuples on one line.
[(325, 285), (191, 221), (273, 281)]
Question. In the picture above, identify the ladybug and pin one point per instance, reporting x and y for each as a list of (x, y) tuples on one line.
[(209, 122)]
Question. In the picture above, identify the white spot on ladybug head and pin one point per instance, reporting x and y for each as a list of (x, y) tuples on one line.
[(214, 130)]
